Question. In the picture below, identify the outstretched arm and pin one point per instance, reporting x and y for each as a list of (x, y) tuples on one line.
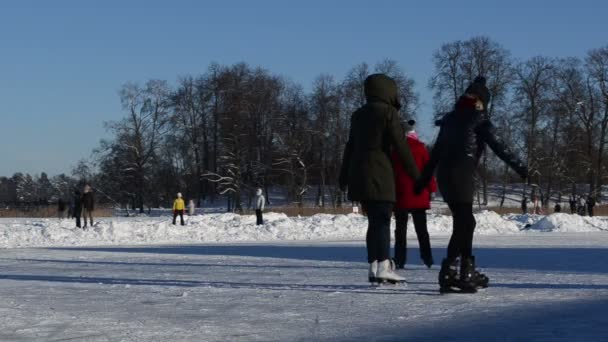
[(487, 133), (429, 168)]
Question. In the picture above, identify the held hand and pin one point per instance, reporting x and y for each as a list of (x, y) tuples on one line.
[(419, 186)]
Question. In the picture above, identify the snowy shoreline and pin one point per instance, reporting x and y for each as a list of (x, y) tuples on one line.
[(222, 228)]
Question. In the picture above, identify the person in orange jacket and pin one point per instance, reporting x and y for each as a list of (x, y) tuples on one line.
[(410, 203), (178, 208)]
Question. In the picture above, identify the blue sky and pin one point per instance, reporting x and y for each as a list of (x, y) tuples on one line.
[(62, 62)]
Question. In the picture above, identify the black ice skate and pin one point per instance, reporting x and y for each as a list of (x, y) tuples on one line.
[(481, 280), (450, 282), (448, 276)]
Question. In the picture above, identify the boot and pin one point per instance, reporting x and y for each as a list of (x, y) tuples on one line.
[(428, 261), (400, 254), (481, 280), (386, 273), (466, 283), (373, 269), (447, 275)]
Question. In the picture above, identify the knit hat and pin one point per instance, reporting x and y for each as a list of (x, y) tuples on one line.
[(478, 89), (409, 126), (179, 195)]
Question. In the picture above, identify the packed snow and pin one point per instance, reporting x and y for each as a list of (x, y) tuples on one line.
[(222, 228)]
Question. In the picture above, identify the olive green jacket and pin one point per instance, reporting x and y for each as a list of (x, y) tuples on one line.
[(375, 131)]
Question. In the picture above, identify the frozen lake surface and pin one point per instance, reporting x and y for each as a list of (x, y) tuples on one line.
[(545, 286)]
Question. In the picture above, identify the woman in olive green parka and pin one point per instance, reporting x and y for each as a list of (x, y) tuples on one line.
[(367, 172)]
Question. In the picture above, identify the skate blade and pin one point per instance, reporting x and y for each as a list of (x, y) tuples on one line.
[(453, 289), (375, 280), (481, 287), (390, 281), (387, 285)]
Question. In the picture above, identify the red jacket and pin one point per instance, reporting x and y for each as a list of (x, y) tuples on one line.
[(404, 184)]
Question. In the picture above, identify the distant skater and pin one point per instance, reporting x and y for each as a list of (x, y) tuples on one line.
[(178, 209), (260, 202), (61, 208), (77, 211), (191, 208), (88, 205), (572, 203), (590, 205)]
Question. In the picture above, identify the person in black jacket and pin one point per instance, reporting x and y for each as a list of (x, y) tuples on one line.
[(367, 170), (590, 205), (557, 208), (462, 139), (572, 203), (60, 208), (88, 205), (77, 210)]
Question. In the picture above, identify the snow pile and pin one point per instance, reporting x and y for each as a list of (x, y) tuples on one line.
[(214, 228), (488, 222), (570, 223)]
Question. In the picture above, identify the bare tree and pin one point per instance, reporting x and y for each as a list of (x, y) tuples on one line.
[(532, 89), (138, 136), (597, 70)]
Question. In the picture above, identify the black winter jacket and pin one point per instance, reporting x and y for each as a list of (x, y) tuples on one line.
[(462, 139), (77, 201), (88, 201)]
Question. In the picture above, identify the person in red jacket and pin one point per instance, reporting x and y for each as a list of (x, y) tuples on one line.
[(410, 203)]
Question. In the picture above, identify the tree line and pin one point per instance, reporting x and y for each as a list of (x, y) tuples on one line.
[(221, 134)]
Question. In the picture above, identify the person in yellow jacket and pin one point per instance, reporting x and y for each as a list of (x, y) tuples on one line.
[(179, 208)]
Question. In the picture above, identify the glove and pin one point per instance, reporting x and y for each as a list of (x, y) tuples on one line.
[(419, 186)]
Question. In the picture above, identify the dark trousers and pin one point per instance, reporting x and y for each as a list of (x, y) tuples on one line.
[(181, 216), (259, 217), (378, 237), (77, 216), (461, 242), (419, 217), (87, 213)]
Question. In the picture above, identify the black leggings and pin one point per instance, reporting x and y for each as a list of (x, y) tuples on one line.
[(461, 242), (181, 216), (419, 218), (378, 237)]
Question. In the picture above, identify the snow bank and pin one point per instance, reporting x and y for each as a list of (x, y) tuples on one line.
[(215, 228), (570, 223)]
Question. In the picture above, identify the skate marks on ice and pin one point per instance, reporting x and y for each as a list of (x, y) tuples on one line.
[(311, 291), (364, 288)]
